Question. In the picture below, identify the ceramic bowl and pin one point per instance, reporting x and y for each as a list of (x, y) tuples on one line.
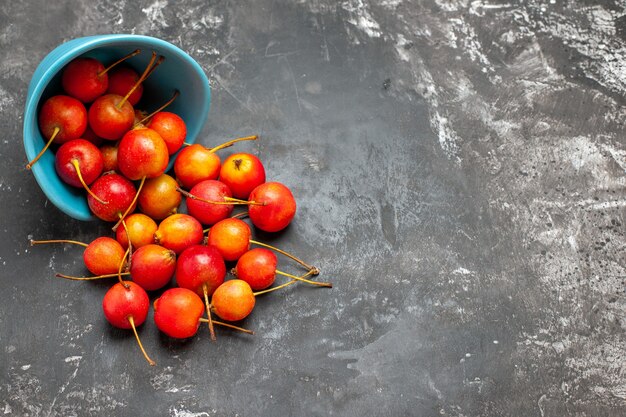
[(178, 72)]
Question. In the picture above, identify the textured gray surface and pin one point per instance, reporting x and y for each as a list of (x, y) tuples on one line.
[(459, 168)]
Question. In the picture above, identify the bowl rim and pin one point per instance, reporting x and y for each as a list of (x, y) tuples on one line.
[(68, 51)]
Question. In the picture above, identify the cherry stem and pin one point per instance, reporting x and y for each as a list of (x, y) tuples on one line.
[(132, 203), (231, 326), (145, 355), (231, 142), (54, 135), (238, 201), (119, 61), (227, 201), (90, 278), (41, 242), (205, 290), (119, 270), (321, 284), (312, 269), (241, 215), (130, 243), (82, 181), (170, 101), (139, 81), (286, 284)]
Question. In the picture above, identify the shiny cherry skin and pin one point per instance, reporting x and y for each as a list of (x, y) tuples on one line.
[(121, 80), (177, 313), (242, 172), (258, 268), (231, 237), (88, 157), (200, 266), (141, 229), (122, 302), (117, 191), (110, 117), (142, 153), (278, 207), (66, 113), (103, 256), (84, 79), (159, 197), (196, 163), (152, 266), (179, 231), (207, 213), (109, 156), (233, 300), (172, 129)]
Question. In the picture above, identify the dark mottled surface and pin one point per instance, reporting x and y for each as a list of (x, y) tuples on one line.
[(460, 173)]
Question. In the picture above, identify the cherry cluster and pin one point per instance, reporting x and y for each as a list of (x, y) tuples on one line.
[(136, 147)]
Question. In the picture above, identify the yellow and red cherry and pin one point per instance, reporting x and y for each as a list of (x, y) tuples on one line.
[(142, 153), (171, 128), (159, 197), (177, 312), (231, 237), (233, 300), (242, 172), (141, 229), (178, 232)]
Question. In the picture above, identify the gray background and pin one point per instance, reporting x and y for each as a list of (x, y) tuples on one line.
[(459, 168)]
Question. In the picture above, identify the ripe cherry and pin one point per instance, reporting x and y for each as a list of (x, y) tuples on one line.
[(78, 163), (142, 153), (121, 80), (275, 206), (61, 118), (201, 269), (242, 172), (231, 237), (92, 137), (118, 193), (141, 229), (159, 197), (109, 156), (177, 312), (179, 231), (101, 257), (111, 115), (126, 307), (208, 201), (197, 163), (86, 78), (152, 266), (233, 300), (172, 129), (258, 268)]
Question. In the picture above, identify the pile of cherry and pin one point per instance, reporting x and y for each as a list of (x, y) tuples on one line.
[(111, 144)]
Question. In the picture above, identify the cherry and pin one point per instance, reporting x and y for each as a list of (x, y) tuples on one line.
[(179, 231), (172, 129), (141, 229), (159, 197), (86, 78), (142, 153), (275, 206), (152, 266), (78, 163), (111, 115), (118, 193), (258, 268), (121, 80), (177, 312), (197, 163), (231, 237), (102, 256), (208, 201), (109, 156), (201, 269), (233, 300), (126, 307), (92, 137), (242, 172), (62, 118)]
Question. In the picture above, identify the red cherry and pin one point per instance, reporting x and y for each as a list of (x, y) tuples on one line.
[(142, 153), (177, 312), (207, 213), (126, 306), (85, 79), (275, 209), (257, 267), (78, 163), (110, 116), (117, 191), (152, 267), (103, 256), (172, 129), (121, 80)]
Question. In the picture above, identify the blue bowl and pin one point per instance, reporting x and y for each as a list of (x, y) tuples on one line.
[(178, 72)]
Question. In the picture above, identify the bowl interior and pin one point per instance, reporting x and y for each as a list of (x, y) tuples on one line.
[(177, 72)]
